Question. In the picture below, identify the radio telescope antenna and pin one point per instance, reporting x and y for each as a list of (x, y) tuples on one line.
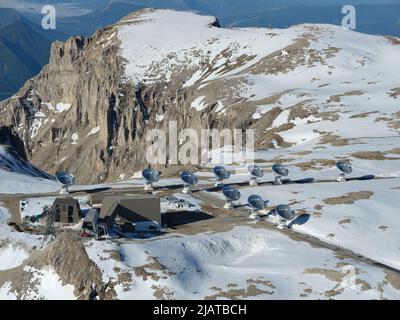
[(231, 195), (255, 172), (151, 176), (285, 214), (189, 180), (280, 171), (66, 180), (222, 174), (345, 168), (256, 203)]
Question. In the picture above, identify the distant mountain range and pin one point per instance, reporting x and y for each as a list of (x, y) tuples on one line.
[(24, 50), (87, 24), (24, 45), (374, 17)]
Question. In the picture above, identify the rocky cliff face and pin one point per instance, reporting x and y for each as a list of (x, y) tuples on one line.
[(90, 109)]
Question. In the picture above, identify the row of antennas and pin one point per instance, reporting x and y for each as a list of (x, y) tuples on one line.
[(256, 172), (255, 202), (287, 217), (152, 176)]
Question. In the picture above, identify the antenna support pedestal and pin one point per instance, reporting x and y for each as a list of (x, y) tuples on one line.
[(228, 204), (253, 182), (278, 180), (186, 189), (341, 178), (253, 214), (148, 186), (218, 183), (64, 190), (281, 225)]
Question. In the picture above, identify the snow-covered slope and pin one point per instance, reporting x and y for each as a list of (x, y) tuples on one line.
[(19, 176), (244, 263), (312, 81), (309, 83)]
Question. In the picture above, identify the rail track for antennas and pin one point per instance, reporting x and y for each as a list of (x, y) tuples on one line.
[(205, 187), (204, 193), (244, 215)]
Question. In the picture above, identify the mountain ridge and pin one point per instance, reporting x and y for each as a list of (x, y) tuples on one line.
[(213, 78), (23, 52)]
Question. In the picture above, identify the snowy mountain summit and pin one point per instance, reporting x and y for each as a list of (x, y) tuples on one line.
[(99, 96)]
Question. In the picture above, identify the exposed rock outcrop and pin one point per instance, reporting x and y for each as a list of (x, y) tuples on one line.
[(91, 108)]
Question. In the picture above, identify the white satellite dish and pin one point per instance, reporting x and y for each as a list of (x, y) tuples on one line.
[(256, 203), (151, 176), (222, 174), (66, 180), (255, 172), (280, 171), (231, 194), (345, 168), (189, 180), (285, 214)]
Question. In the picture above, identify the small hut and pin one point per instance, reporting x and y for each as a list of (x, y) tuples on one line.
[(67, 210), (128, 210)]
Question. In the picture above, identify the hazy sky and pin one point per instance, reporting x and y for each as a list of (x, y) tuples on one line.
[(80, 7)]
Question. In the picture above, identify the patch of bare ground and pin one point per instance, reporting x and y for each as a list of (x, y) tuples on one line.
[(293, 202), (268, 135), (349, 198), (302, 153), (306, 293), (393, 151), (68, 257), (12, 205), (386, 119), (333, 140), (394, 93), (162, 293), (234, 294), (317, 214), (374, 155), (365, 286), (282, 61), (125, 279), (259, 161), (393, 278), (395, 124), (315, 164), (337, 276), (363, 115), (393, 40), (394, 121), (266, 283), (152, 270), (338, 97), (278, 159), (302, 112), (333, 275), (345, 221)]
